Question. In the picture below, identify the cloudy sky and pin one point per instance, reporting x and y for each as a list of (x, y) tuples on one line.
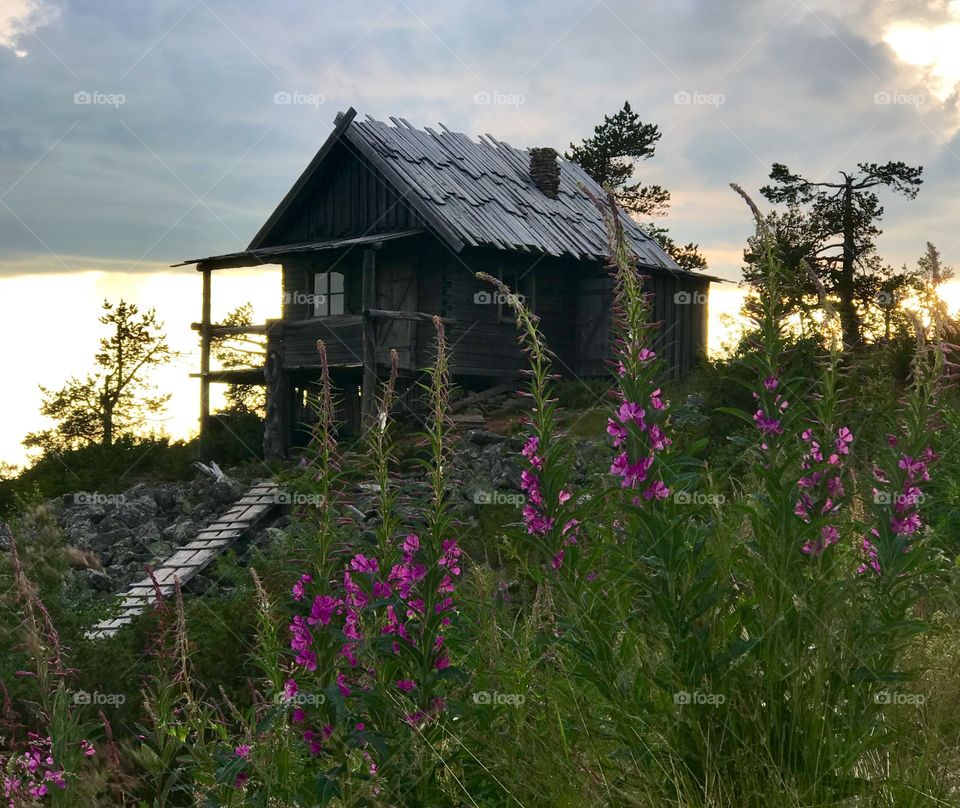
[(135, 135)]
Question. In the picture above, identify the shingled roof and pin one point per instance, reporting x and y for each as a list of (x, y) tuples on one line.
[(479, 192)]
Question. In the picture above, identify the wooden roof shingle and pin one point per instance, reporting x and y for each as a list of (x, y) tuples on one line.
[(481, 190)]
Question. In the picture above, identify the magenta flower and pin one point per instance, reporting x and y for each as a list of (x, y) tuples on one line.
[(844, 439), (243, 751), (314, 745), (300, 586), (766, 424), (300, 641), (656, 490), (406, 685), (361, 563), (322, 610), (530, 450), (632, 413), (411, 544), (617, 431)]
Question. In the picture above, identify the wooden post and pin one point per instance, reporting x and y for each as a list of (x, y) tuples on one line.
[(368, 297), (205, 366)]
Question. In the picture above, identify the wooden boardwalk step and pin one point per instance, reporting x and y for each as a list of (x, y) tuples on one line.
[(188, 560)]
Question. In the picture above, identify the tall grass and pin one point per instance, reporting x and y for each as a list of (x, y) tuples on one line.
[(653, 636)]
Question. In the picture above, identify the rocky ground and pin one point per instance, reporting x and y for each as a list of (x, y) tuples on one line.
[(112, 537)]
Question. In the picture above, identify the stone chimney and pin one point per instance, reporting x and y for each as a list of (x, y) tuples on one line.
[(545, 171)]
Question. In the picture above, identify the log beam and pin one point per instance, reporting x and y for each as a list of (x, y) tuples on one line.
[(205, 366)]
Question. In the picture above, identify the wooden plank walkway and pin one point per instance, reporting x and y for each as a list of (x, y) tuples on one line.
[(209, 543)]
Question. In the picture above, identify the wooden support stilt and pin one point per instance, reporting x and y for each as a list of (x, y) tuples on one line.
[(205, 367), (276, 434), (368, 298)]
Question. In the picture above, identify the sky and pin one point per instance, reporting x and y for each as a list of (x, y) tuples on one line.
[(136, 135)]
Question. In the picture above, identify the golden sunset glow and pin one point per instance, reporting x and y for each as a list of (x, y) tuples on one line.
[(934, 48), (57, 354)]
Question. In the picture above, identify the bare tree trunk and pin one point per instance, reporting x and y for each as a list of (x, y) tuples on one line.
[(849, 319)]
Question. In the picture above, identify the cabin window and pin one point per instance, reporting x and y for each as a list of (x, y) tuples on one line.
[(520, 283), (327, 294)]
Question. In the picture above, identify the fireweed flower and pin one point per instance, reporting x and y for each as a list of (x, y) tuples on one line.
[(301, 641), (537, 522), (631, 418), (300, 586), (821, 488), (322, 610), (402, 620), (904, 519), (530, 450), (33, 772)]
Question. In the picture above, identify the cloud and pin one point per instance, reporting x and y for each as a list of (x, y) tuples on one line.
[(21, 17)]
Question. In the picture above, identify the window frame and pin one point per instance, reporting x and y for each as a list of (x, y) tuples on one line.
[(526, 288), (321, 286)]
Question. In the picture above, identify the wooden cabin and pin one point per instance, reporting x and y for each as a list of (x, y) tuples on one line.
[(387, 227)]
